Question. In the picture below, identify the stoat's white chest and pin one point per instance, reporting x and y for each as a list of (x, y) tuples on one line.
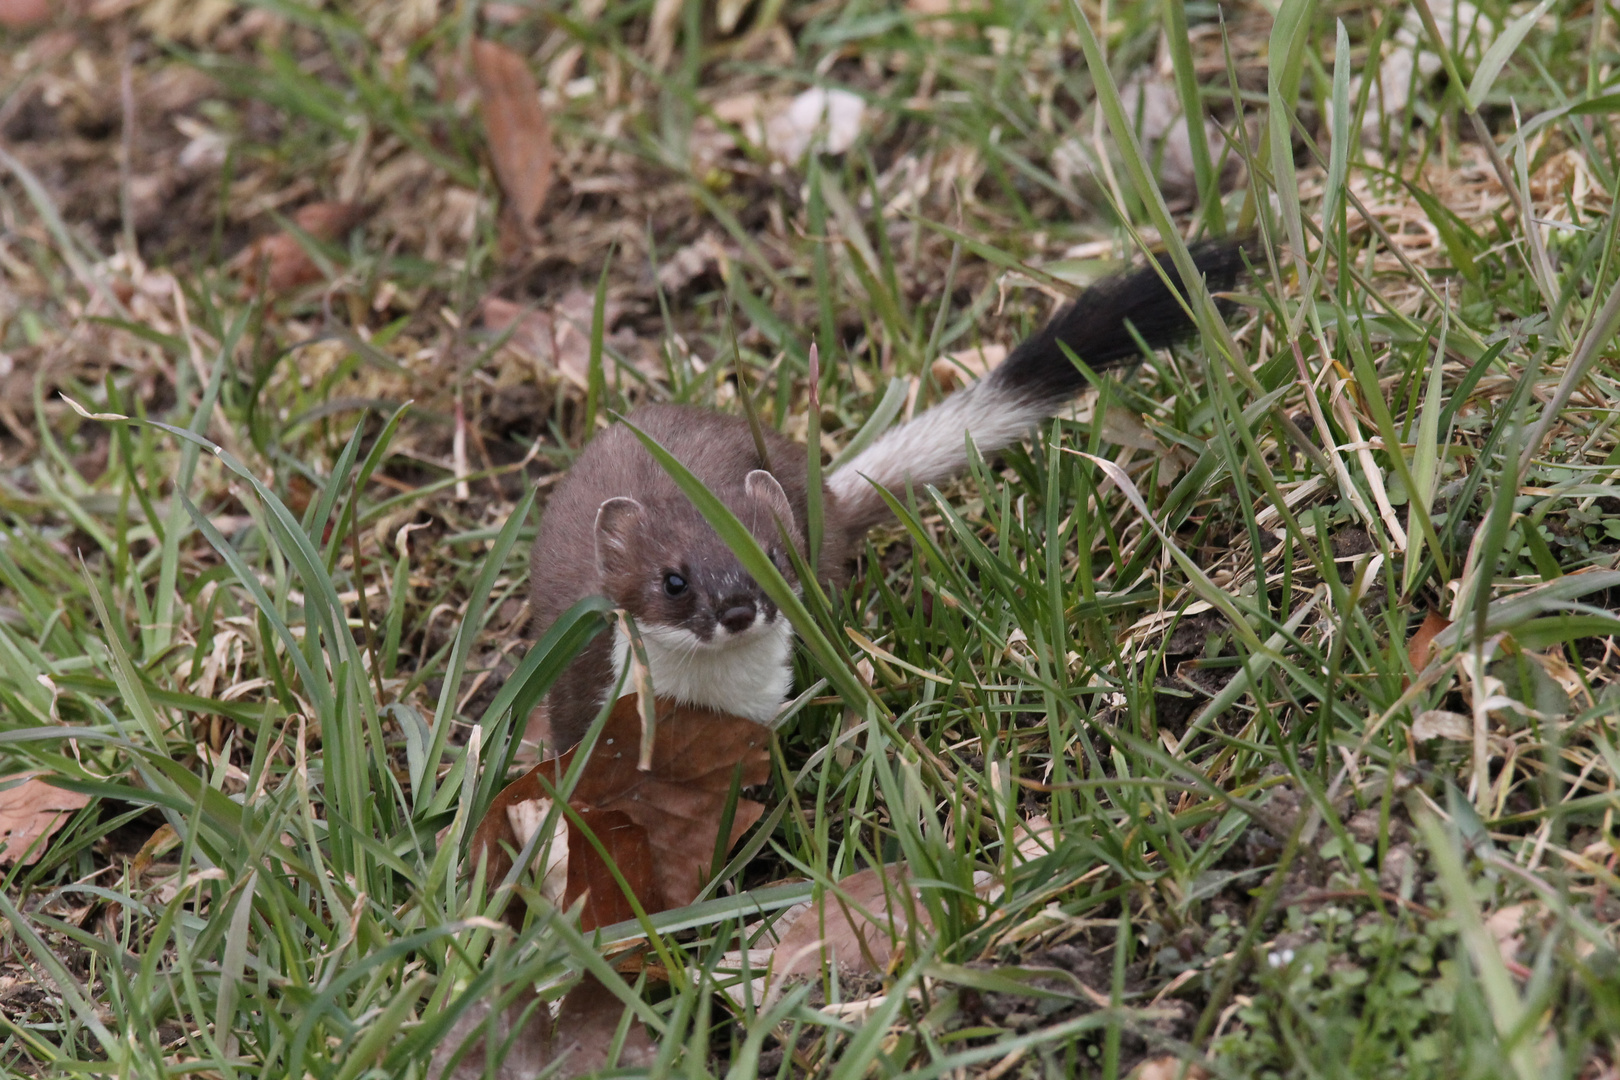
[(747, 674)]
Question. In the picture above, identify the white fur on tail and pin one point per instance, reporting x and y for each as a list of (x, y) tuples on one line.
[(932, 448)]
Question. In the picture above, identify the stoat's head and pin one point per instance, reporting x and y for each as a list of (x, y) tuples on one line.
[(667, 568)]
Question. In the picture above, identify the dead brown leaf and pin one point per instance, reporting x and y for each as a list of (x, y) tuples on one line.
[(578, 1041), (694, 260), (1124, 428), (557, 341), (661, 32), (525, 1024), (1035, 838), (1507, 926), (1440, 724), (960, 368), (1420, 648), (828, 120), (22, 14), (280, 262), (658, 827), (856, 927), (30, 811), (517, 127), (937, 8), (1168, 1068)]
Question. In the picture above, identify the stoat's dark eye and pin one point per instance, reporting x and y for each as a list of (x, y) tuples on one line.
[(674, 584)]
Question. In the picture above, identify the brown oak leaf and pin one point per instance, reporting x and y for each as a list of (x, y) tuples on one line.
[(30, 811), (527, 1042), (517, 127), (280, 261), (856, 927), (1420, 647), (658, 827), (24, 14), (558, 338)]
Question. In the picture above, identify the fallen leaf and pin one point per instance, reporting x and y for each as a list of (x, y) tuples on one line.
[(590, 1016), (944, 18), (659, 828), (1507, 926), (728, 13), (1154, 106), (661, 26), (192, 21), (533, 332), (1034, 838), (828, 120), (557, 341), (579, 1040), (960, 368), (280, 262), (174, 88), (523, 1029), (591, 873), (856, 927), (22, 14), (162, 841), (29, 811), (1123, 428), (517, 127), (745, 110), (1420, 647), (1440, 724), (692, 262), (1167, 1068), (527, 818), (1406, 66), (505, 14)]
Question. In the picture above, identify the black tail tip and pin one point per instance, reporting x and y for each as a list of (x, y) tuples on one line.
[(1223, 261), (1155, 311), (1107, 324)]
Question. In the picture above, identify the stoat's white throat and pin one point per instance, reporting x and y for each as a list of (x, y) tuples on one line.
[(747, 674)]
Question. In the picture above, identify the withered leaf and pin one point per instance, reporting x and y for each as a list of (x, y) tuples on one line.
[(1168, 1068), (29, 811), (1420, 648), (960, 368), (280, 261), (856, 926), (1441, 724), (526, 1042), (657, 827), (23, 14), (517, 127), (556, 340)]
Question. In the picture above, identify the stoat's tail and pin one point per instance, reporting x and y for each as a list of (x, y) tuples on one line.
[(1032, 384)]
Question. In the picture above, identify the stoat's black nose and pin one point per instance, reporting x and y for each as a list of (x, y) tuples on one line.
[(737, 616)]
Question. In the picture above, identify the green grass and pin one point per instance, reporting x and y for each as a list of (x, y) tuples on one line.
[(262, 629)]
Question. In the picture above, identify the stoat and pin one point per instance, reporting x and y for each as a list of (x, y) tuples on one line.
[(618, 526)]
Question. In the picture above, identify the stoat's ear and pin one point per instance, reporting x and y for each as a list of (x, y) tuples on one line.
[(617, 522), (761, 485), (764, 488)]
